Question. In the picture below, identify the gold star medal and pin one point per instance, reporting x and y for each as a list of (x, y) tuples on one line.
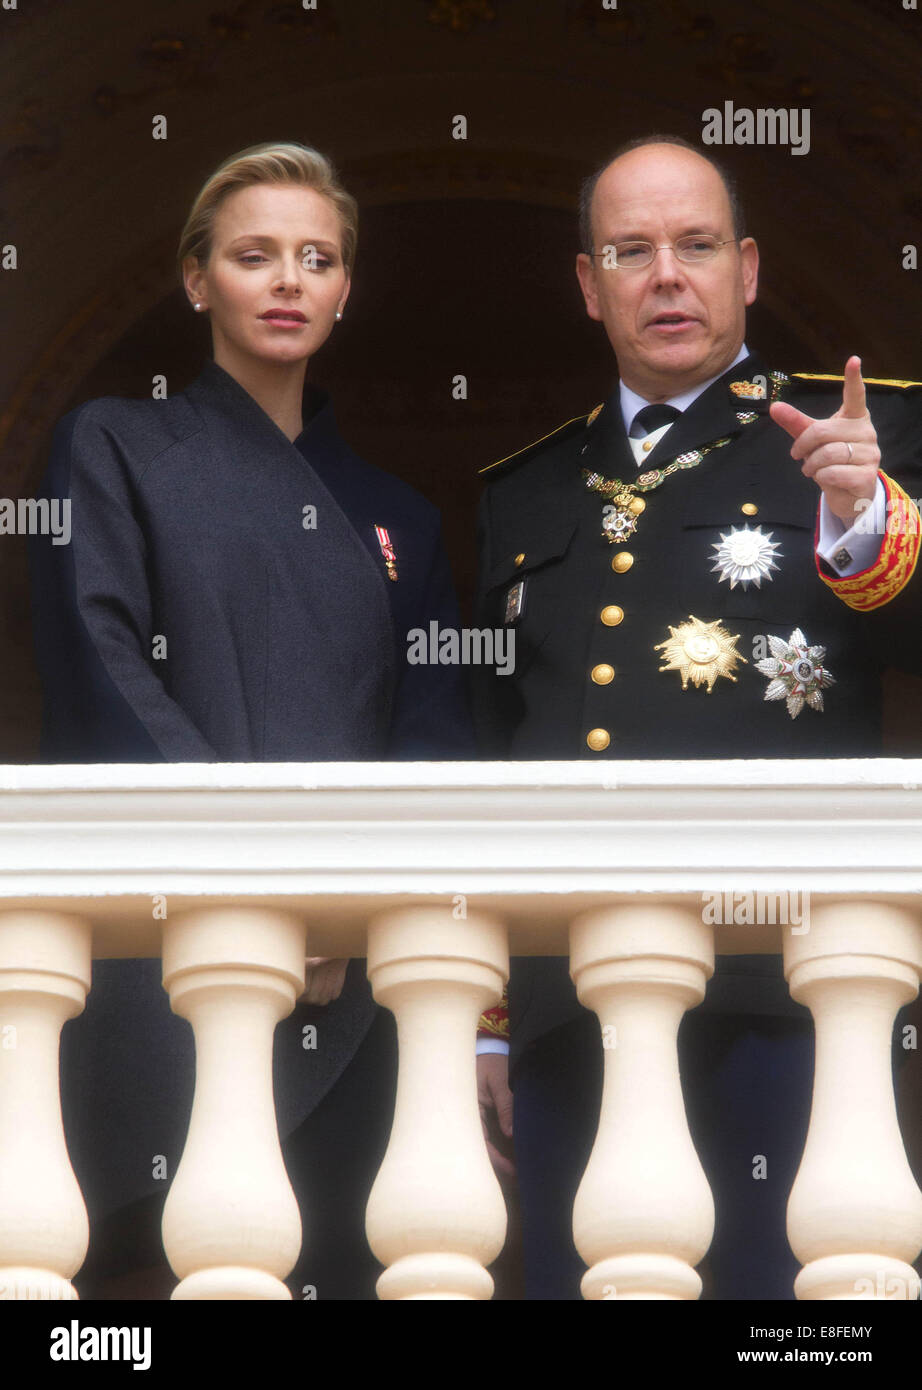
[(745, 556), (700, 652)]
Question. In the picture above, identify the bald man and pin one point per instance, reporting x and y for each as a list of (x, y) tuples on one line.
[(715, 562)]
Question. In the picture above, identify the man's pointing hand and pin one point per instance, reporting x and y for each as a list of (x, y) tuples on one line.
[(841, 453)]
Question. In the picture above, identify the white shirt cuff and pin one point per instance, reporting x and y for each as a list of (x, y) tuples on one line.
[(491, 1045), (855, 549)]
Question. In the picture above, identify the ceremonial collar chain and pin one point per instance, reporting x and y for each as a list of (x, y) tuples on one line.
[(620, 518), (645, 482)]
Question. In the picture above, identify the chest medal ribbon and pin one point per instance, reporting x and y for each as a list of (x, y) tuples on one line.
[(387, 550)]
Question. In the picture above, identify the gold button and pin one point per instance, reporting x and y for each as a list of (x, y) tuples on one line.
[(612, 615), (598, 739), (749, 509), (647, 446), (603, 675), (520, 558), (622, 562), (637, 506)]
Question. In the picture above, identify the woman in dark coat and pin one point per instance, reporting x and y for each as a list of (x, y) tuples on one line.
[(239, 585)]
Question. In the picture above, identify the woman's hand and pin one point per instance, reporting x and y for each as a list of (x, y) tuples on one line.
[(325, 978)]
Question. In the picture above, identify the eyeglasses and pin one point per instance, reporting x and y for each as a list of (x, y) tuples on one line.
[(636, 255)]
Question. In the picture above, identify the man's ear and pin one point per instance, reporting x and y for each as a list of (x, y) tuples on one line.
[(749, 258), (585, 273)]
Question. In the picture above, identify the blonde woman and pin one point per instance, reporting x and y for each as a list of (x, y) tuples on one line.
[(239, 586)]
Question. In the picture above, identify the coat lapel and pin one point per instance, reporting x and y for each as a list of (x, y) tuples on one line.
[(322, 580), (606, 449), (712, 416)]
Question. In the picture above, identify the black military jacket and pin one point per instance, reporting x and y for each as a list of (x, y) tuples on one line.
[(580, 618), (539, 524)]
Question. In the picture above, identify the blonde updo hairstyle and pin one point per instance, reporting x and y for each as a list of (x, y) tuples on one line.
[(285, 162)]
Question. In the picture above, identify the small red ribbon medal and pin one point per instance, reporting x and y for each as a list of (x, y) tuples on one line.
[(387, 550)]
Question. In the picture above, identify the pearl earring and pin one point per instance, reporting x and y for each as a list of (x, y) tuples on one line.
[(197, 307), (338, 315)]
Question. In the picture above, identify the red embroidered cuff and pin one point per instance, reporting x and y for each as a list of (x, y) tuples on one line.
[(494, 1023), (896, 561)]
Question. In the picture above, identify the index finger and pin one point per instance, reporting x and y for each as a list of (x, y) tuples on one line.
[(854, 399), (792, 420)]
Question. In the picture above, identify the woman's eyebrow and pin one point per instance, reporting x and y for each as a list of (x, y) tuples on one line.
[(271, 241)]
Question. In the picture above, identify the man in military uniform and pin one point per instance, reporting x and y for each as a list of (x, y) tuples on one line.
[(713, 563)]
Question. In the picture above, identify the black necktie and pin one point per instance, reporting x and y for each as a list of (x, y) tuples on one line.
[(651, 418)]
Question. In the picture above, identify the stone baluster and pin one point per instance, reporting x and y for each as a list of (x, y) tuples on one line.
[(855, 1211), (436, 1214), (643, 1215), (45, 972), (231, 1225)]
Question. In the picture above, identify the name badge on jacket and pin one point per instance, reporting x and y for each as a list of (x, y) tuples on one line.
[(515, 603)]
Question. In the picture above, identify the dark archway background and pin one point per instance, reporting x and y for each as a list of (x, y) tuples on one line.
[(531, 356)]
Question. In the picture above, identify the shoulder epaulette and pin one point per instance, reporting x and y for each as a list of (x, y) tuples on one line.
[(569, 427), (868, 380)]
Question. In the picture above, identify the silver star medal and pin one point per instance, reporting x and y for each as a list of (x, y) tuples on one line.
[(745, 556), (796, 673)]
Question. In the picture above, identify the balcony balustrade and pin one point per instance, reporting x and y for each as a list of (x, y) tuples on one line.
[(436, 873)]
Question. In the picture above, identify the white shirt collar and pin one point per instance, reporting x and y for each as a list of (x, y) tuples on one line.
[(631, 402)]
